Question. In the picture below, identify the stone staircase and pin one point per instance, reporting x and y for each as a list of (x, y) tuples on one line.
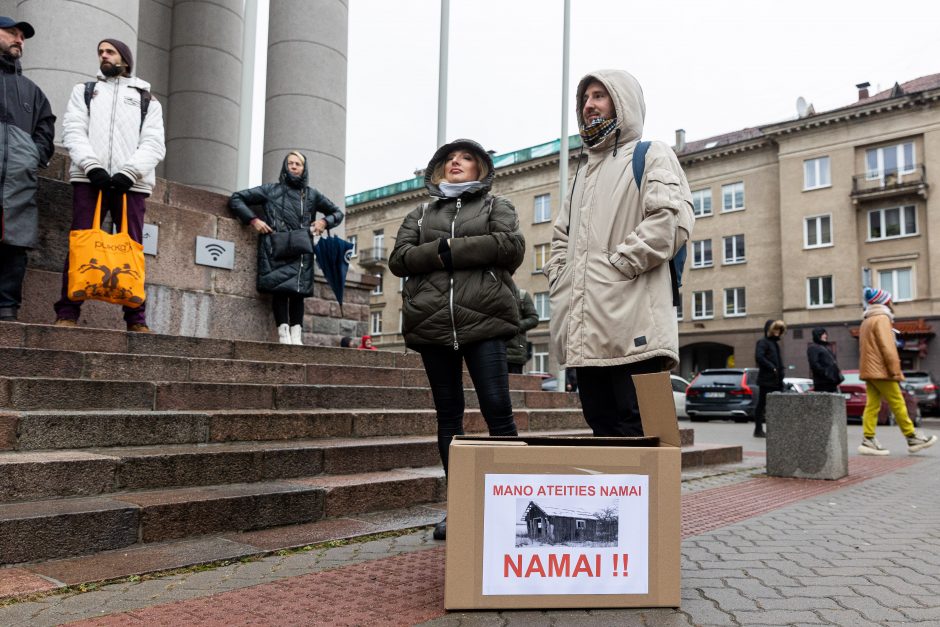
[(113, 440)]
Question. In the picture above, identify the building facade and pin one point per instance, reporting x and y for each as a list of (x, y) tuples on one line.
[(792, 219)]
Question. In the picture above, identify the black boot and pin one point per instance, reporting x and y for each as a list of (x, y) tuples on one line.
[(440, 530), (759, 433)]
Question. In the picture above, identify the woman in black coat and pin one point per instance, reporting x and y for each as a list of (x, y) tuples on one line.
[(288, 205), (822, 363)]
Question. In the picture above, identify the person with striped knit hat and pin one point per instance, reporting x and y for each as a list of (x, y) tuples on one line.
[(880, 367)]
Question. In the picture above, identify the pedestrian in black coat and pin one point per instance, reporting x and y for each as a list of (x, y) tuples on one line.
[(822, 363), (770, 375)]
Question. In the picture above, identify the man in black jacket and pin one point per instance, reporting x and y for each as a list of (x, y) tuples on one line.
[(770, 375), (28, 128), (822, 363)]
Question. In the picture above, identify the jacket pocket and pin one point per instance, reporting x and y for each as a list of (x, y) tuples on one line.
[(605, 268)]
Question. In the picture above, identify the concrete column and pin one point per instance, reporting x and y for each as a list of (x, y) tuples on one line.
[(305, 106), (8, 8), (204, 93), (64, 51), (153, 53)]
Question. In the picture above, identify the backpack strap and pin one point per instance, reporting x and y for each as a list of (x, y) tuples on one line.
[(639, 162), (145, 98)]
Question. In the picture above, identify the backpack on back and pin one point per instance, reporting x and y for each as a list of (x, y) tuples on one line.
[(677, 263), (145, 98)]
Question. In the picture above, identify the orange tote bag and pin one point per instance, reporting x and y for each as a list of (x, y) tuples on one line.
[(106, 267)]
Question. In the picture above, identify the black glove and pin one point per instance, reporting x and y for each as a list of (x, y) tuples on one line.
[(99, 177), (121, 183)]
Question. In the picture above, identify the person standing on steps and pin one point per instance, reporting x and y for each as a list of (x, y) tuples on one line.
[(880, 368), (457, 254), (28, 126), (517, 352), (288, 205), (771, 370), (113, 130), (822, 363)]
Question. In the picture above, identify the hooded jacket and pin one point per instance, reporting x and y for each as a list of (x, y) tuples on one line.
[(878, 353), (478, 300), (610, 289), (27, 128), (285, 206), (822, 364), (107, 132), (516, 349), (767, 355)]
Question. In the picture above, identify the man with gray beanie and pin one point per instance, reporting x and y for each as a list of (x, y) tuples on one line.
[(113, 130), (27, 126)]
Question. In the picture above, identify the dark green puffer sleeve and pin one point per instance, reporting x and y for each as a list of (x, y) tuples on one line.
[(502, 247), (410, 258)]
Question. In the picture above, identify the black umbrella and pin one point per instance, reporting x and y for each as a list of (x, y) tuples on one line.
[(332, 254)]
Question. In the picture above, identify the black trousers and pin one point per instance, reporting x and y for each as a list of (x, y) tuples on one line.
[(288, 309), (762, 393), (486, 362), (12, 272), (608, 397)]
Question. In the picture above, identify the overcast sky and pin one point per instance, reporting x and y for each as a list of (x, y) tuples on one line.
[(708, 67)]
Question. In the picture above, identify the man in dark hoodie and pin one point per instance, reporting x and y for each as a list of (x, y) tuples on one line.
[(770, 375), (822, 363), (28, 127)]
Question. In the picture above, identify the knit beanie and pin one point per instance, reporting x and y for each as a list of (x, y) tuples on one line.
[(125, 53), (877, 297)]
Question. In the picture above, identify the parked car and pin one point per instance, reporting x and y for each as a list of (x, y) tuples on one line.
[(679, 386), (853, 389), (549, 381), (722, 393), (924, 390), (798, 385)]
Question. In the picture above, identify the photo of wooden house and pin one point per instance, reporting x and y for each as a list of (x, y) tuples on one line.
[(561, 525)]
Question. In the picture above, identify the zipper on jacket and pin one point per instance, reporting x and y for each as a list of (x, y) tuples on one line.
[(117, 87), (453, 321), (6, 140)]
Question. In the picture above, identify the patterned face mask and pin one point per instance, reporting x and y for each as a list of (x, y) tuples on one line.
[(595, 132)]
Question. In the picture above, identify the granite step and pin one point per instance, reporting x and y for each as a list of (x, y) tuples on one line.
[(34, 393), (38, 430), (50, 529), (101, 366)]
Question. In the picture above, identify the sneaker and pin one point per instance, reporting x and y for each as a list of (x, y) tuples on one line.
[(138, 327), (65, 322), (871, 446), (917, 441), (7, 314)]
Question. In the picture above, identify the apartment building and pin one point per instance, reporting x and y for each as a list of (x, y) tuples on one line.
[(792, 219)]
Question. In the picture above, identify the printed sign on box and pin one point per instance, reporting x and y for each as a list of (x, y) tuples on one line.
[(565, 534)]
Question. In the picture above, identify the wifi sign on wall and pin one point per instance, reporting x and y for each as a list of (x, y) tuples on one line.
[(217, 253)]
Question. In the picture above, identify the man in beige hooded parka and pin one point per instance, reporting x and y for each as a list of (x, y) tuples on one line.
[(611, 293)]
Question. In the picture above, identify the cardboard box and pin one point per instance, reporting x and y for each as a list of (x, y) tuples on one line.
[(568, 522)]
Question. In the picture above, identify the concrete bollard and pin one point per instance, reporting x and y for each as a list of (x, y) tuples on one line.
[(806, 436)]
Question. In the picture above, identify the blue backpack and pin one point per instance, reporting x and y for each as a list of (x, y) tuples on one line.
[(677, 263)]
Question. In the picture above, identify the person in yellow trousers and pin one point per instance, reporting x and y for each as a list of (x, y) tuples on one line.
[(880, 367)]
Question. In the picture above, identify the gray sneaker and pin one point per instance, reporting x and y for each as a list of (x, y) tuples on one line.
[(871, 446), (918, 442)]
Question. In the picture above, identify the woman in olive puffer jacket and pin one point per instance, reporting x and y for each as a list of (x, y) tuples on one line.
[(457, 254)]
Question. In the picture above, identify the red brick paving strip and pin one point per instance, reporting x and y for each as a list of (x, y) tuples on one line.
[(408, 589), (16, 581)]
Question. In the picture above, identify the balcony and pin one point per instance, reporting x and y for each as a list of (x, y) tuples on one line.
[(373, 257), (888, 183)]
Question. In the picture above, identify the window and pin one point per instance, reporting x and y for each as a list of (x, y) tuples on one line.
[(732, 197), (378, 288), (540, 358), (542, 252), (543, 208), (378, 244), (819, 291), (702, 202), (816, 173), (376, 326), (893, 222), (702, 253), (702, 305), (679, 312), (401, 321), (887, 160), (401, 284), (817, 231), (354, 240), (580, 524), (542, 305), (898, 282), (734, 249), (735, 303)]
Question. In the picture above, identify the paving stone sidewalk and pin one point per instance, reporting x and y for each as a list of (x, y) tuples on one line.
[(864, 554)]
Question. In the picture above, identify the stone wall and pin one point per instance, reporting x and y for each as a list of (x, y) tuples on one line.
[(184, 298)]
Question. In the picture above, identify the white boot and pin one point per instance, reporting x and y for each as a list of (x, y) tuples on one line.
[(296, 335), (283, 334)]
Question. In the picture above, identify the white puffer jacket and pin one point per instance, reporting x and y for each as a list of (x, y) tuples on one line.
[(111, 136)]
